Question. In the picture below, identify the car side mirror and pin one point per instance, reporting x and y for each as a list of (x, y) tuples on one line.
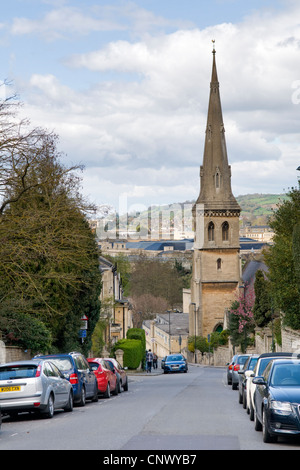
[(259, 381)]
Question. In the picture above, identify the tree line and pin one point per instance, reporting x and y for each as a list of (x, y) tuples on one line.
[(49, 268)]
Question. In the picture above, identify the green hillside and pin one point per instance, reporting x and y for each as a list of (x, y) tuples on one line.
[(257, 208)]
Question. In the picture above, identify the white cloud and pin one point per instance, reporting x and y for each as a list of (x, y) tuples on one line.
[(60, 22), (143, 135)]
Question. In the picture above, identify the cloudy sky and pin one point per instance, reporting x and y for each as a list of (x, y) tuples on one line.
[(125, 85)]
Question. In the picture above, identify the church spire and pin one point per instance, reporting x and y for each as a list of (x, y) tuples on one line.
[(215, 192)]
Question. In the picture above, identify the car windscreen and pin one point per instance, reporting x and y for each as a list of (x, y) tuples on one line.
[(252, 363), (174, 358), (242, 359), (286, 375), (18, 372), (94, 365), (62, 363)]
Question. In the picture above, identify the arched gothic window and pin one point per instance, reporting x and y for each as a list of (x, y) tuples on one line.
[(211, 232), (219, 264), (225, 231)]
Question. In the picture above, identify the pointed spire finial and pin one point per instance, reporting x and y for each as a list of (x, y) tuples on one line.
[(213, 41)]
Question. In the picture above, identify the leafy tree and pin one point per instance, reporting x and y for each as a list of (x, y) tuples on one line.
[(262, 309), (283, 259), (48, 253), (25, 331)]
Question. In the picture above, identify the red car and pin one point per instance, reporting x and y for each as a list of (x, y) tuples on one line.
[(107, 379), (120, 372)]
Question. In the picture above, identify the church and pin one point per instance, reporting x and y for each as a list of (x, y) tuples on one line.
[(216, 273)]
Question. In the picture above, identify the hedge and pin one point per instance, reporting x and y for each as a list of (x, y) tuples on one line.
[(137, 333), (133, 352)]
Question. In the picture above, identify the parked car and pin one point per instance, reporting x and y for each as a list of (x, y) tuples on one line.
[(277, 399), (229, 369), (175, 363), (237, 365), (76, 369), (34, 385), (0, 419), (106, 378), (121, 374), (243, 374), (262, 363)]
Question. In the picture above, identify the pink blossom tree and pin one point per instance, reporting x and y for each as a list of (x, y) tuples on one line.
[(242, 309)]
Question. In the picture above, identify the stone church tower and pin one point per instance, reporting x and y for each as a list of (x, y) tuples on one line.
[(216, 259)]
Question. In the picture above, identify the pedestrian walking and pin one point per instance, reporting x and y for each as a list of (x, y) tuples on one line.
[(149, 360), (154, 361)]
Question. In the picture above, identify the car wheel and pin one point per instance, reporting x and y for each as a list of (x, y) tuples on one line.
[(95, 397), (240, 398), (116, 390), (49, 412), (119, 387), (69, 406), (82, 397), (107, 392), (234, 386), (125, 386), (257, 423), (251, 412), (267, 437)]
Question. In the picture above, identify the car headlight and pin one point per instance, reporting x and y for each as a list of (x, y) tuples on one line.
[(281, 407)]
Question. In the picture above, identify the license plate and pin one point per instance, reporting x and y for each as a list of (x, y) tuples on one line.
[(15, 388)]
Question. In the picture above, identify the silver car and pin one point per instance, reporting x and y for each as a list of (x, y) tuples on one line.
[(34, 385)]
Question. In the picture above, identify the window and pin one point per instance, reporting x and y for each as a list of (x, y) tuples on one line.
[(225, 231), (211, 232), (219, 264), (217, 178)]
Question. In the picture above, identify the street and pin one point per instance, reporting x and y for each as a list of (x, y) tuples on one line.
[(192, 411)]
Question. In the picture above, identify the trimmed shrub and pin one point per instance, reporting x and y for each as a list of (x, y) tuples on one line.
[(133, 352), (137, 333)]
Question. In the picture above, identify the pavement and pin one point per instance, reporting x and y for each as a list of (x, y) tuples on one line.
[(157, 371)]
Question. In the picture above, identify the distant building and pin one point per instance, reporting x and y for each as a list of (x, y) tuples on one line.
[(168, 333), (117, 309), (259, 233)]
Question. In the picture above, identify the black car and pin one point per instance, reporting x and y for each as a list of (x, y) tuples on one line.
[(277, 399)]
